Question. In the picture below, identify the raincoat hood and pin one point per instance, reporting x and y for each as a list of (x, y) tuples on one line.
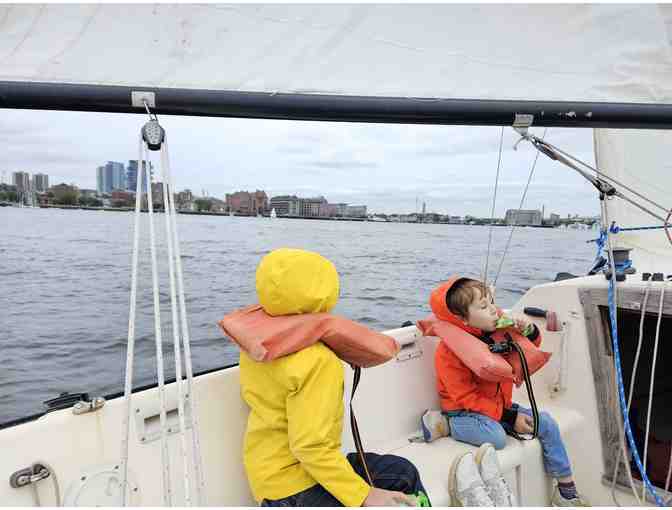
[(291, 281)]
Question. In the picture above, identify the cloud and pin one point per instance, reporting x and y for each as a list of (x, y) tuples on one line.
[(387, 167), (296, 149), (342, 164)]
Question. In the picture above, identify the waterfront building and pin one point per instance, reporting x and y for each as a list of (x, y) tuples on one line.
[(62, 190), (123, 198), (523, 217), (88, 193), (132, 175), (246, 203), (157, 193), (355, 211), (111, 176), (339, 209), (22, 181), (313, 207), (184, 200), (40, 182), (285, 205)]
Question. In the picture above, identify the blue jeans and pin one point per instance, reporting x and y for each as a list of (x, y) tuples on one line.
[(387, 471), (476, 429)]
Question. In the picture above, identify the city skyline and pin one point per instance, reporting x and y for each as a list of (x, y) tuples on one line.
[(246, 203), (388, 168), (303, 206)]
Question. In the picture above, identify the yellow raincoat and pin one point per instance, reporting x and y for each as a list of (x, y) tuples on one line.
[(293, 437)]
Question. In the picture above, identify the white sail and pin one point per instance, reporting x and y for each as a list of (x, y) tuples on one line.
[(641, 159), (574, 52)]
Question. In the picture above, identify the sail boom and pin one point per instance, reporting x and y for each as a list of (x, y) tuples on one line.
[(334, 108)]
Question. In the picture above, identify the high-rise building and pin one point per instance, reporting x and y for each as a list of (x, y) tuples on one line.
[(100, 180), (118, 175), (40, 182), (111, 176), (132, 175), (21, 181)]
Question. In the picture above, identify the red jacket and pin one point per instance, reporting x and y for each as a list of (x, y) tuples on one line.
[(459, 388)]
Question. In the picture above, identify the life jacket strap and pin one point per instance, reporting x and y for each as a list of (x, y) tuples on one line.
[(508, 346), (355, 429)]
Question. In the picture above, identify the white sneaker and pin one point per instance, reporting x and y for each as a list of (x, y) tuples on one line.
[(465, 484), (488, 466), (558, 500)]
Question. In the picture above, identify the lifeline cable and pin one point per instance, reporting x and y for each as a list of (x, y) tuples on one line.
[(492, 214), (520, 206)]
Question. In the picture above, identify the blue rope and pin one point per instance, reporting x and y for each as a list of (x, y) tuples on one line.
[(600, 241), (621, 393), (615, 229)]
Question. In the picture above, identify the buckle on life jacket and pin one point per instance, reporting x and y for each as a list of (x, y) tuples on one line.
[(500, 347)]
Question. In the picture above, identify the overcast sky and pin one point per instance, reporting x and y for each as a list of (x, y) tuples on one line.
[(386, 167)]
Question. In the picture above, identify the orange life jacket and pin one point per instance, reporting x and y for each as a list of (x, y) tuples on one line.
[(475, 354), (265, 338)]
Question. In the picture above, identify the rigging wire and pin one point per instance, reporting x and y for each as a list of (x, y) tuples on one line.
[(492, 212)]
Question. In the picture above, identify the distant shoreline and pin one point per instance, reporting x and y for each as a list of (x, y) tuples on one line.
[(208, 213)]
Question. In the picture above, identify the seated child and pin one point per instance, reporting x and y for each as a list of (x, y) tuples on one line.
[(477, 411)]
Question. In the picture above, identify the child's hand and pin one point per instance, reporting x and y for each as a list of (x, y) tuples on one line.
[(520, 322), (524, 424), (382, 497)]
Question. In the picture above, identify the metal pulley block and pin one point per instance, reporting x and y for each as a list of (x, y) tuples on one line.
[(153, 134)]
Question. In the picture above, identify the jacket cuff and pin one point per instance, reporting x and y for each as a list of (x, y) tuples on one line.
[(357, 496), (509, 417)]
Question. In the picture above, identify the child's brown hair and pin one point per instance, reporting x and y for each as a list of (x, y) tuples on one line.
[(462, 294)]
